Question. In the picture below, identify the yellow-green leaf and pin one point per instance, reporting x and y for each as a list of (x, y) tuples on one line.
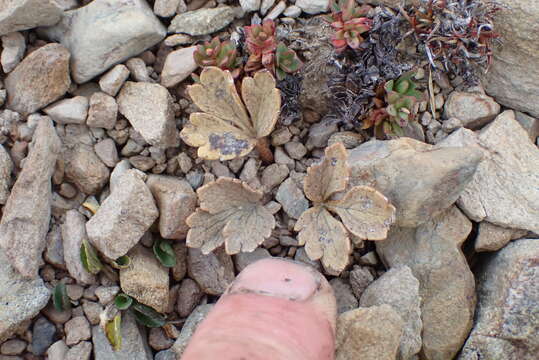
[(113, 331), (89, 258)]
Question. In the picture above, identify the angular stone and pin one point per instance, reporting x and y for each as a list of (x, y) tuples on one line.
[(26, 215), (531, 125), (446, 284), (103, 111), (176, 200), (189, 295), (244, 259), (493, 237), (149, 108), (81, 351), (290, 196), (204, 21), (180, 269), (179, 64), (250, 5), (107, 152), (69, 111), (14, 45), (85, 169), (134, 344), (505, 189), (507, 321), (189, 328), (105, 33), (396, 167), (20, 299), (43, 333), (166, 8), (77, 329), (213, 272), (146, 279), (40, 79), (114, 79), (54, 253), (513, 78), (368, 334), (472, 109), (400, 289), (360, 279), (57, 351), (138, 70), (123, 217), (313, 6), (346, 299), (6, 167), (16, 15), (73, 234)]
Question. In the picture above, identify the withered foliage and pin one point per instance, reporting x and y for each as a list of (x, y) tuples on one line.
[(362, 211)]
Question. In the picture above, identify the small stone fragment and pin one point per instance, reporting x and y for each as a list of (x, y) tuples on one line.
[(180, 269), (81, 351), (27, 14), (107, 152), (77, 329), (203, 21), (103, 111), (92, 311), (114, 79), (250, 5), (244, 259), (40, 79), (123, 217), (473, 109), (189, 328), (84, 168), (276, 11), (106, 294), (138, 70), (179, 64), (313, 6), (176, 200), (295, 150), (360, 279), (158, 340), (492, 237), (165, 8), (69, 111), (57, 351), (146, 279), (189, 295), (6, 167), (14, 46), (292, 199), (343, 293), (12, 347), (42, 336), (213, 272)]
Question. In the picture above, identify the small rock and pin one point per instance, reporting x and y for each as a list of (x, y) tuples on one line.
[(14, 46), (138, 70), (143, 163), (531, 125), (120, 169), (189, 328), (6, 167), (203, 21), (368, 334), (131, 148), (274, 175), (213, 272), (158, 340), (106, 294), (113, 28), (81, 351), (54, 252), (281, 136), (320, 133), (295, 150), (313, 6), (134, 343), (149, 108), (292, 11), (506, 322), (502, 191), (165, 355), (176, 200), (473, 109), (301, 256), (40, 79), (107, 152), (292, 199), (178, 39), (92, 310), (69, 111), (343, 293), (74, 292), (446, 284), (360, 278), (492, 237), (73, 234), (85, 169), (57, 351), (103, 111), (179, 64), (250, 5), (165, 8), (392, 167), (265, 6), (146, 279), (123, 217), (349, 139), (42, 336), (26, 215), (399, 288), (276, 11), (249, 171), (114, 79), (180, 269), (57, 317), (28, 14), (189, 295), (13, 347), (77, 329), (244, 259)]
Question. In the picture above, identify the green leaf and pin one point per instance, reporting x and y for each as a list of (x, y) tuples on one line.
[(122, 262), (113, 331), (60, 299), (164, 253), (89, 258), (147, 316), (123, 301)]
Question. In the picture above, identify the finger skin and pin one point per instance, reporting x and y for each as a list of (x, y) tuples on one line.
[(276, 310)]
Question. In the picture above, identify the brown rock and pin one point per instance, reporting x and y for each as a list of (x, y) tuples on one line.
[(492, 237), (180, 269), (103, 111), (40, 79), (85, 169), (189, 295), (77, 329), (213, 272), (472, 109)]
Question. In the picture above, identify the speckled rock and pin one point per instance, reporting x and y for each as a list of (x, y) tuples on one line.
[(69, 111), (179, 64), (84, 168), (204, 21), (6, 167), (16, 15), (213, 272), (291, 197), (472, 109), (493, 237)]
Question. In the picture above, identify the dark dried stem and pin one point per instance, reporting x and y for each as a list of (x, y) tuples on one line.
[(263, 148)]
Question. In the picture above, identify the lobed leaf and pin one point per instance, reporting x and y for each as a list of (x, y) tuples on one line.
[(164, 253), (60, 299), (328, 177), (324, 238), (365, 212), (90, 260), (113, 331)]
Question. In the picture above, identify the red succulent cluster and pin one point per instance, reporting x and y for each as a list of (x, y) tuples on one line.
[(221, 54), (349, 22)]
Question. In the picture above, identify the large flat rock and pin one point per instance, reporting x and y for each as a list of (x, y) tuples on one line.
[(17, 15)]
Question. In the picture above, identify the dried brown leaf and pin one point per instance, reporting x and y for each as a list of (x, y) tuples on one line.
[(224, 130), (328, 177), (365, 212), (324, 238), (231, 213)]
